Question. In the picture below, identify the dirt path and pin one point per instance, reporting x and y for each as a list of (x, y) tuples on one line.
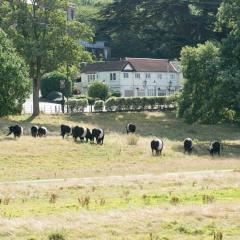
[(121, 179)]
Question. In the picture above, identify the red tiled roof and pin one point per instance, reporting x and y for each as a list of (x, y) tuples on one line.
[(139, 65), (151, 65)]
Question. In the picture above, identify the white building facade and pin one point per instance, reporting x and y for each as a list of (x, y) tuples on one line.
[(134, 77)]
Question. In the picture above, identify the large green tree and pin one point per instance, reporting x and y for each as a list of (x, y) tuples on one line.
[(41, 33), (201, 66), (157, 28), (14, 78), (229, 89)]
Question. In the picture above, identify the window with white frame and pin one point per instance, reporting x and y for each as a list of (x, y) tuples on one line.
[(137, 75), (91, 77), (159, 76), (125, 75), (148, 75), (172, 76), (113, 76)]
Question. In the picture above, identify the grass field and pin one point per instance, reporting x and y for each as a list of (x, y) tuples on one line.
[(119, 191)]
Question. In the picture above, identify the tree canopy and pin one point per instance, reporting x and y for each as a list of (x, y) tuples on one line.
[(212, 71), (14, 78), (42, 35), (157, 28), (200, 66)]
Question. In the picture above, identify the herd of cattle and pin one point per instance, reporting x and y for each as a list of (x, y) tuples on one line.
[(98, 134)]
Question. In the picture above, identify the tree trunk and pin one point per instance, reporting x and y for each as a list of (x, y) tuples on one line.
[(36, 88)]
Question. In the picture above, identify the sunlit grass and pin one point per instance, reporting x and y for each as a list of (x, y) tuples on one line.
[(144, 203)]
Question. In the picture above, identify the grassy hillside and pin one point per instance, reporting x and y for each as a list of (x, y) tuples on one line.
[(118, 191)]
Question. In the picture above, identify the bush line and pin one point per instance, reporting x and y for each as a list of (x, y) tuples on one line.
[(118, 104)]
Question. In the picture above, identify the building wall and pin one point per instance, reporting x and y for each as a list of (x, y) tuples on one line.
[(135, 83)]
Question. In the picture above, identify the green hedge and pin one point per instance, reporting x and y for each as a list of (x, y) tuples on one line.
[(125, 103), (77, 105), (139, 103), (99, 106)]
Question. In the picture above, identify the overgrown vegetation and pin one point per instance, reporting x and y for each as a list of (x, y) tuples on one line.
[(14, 78)]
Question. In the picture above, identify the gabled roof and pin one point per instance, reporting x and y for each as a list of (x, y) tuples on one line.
[(138, 65), (151, 65)]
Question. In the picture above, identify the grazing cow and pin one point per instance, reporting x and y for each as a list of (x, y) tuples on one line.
[(42, 131), (65, 130), (81, 133), (98, 134), (188, 145), (157, 146), (34, 131), (215, 148), (17, 130), (131, 128)]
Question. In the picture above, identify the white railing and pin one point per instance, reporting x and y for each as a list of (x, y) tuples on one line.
[(44, 108)]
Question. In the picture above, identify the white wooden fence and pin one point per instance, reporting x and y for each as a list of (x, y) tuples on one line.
[(47, 108)]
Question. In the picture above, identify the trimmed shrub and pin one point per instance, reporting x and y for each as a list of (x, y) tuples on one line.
[(81, 104), (110, 104), (77, 105), (51, 82), (139, 103), (98, 90), (72, 104), (99, 105)]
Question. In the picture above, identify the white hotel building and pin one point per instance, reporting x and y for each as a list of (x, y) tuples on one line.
[(134, 76)]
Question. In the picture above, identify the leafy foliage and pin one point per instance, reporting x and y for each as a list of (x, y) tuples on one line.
[(212, 72), (139, 103), (42, 35), (77, 105), (200, 67), (98, 90), (99, 105), (51, 82), (14, 78), (229, 88), (157, 28)]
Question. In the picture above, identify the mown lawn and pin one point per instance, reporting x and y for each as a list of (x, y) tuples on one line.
[(119, 191)]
